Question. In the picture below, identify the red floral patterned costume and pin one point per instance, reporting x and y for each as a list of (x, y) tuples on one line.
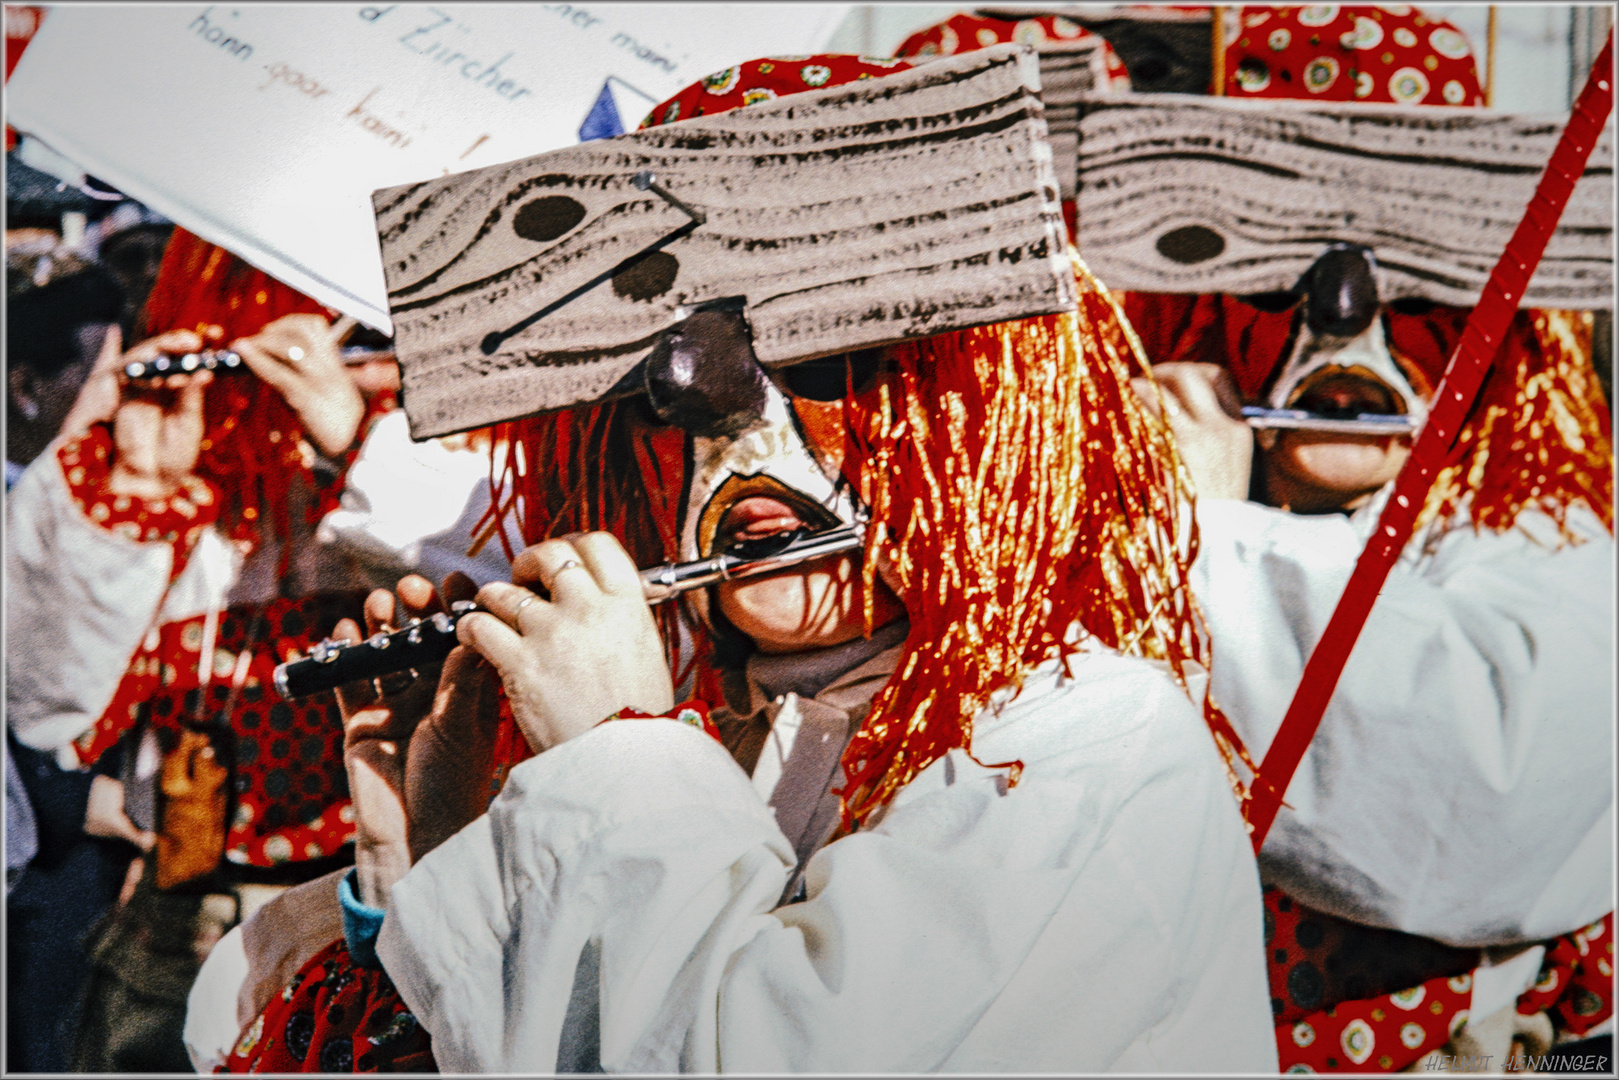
[(1390, 53), (966, 32)]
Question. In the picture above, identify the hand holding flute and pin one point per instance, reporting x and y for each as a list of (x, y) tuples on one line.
[(157, 416), (419, 752), (427, 641), (298, 355), (568, 659)]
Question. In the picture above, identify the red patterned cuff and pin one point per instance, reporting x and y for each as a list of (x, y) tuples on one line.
[(693, 713), (177, 519)]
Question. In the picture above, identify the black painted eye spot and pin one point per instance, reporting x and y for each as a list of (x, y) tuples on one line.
[(830, 378), (548, 218), (1272, 303), (1411, 305), (648, 279), (1190, 244)]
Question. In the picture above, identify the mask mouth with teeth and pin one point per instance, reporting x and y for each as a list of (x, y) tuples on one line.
[(754, 479)]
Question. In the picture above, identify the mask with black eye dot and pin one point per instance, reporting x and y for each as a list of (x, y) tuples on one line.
[(830, 378), (1272, 303)]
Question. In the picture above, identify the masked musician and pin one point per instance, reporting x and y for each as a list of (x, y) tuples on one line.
[(964, 815), (1459, 792), (1488, 654), (159, 566)]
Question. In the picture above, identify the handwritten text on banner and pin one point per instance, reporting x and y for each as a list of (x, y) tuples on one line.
[(265, 128)]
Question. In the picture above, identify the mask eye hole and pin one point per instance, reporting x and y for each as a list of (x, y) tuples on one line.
[(829, 378), (1272, 303), (1411, 305)]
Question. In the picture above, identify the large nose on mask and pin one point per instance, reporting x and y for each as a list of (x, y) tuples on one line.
[(703, 376), (1340, 292)]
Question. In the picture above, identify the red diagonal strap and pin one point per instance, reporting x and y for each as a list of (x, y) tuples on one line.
[(1480, 341)]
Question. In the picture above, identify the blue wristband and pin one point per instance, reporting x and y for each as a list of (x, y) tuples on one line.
[(361, 923)]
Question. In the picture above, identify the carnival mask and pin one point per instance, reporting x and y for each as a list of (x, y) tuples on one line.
[(747, 444), (1340, 365)]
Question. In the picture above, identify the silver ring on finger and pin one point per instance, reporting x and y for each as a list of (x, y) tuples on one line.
[(567, 564)]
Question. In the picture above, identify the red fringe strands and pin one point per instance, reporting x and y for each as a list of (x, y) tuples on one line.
[(1539, 437), (253, 447), (600, 468), (1018, 491)]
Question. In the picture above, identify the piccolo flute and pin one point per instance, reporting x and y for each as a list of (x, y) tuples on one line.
[(184, 363), (1262, 418), (425, 642), (227, 360)]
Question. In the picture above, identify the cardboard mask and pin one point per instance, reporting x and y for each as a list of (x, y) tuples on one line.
[(840, 219)]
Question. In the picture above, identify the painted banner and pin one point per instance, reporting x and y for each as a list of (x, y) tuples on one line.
[(265, 128)]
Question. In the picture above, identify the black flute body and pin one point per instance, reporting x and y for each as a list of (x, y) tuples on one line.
[(426, 642), (219, 360), (225, 361), (332, 664)]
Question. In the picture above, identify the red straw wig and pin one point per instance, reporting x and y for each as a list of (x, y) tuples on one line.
[(252, 442)]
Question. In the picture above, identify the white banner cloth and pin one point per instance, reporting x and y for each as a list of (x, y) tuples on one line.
[(265, 128)]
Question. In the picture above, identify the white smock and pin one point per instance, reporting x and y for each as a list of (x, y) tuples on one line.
[(1460, 786), (618, 907)]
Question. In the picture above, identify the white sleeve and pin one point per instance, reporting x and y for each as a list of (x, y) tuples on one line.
[(211, 1025), (1460, 786), (79, 599), (617, 909), (642, 839)]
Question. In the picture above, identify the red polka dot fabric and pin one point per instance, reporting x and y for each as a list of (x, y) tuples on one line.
[(290, 797), (762, 80), (335, 1017), (1390, 53), (290, 794), (177, 520), (1576, 980), (1353, 998), (967, 32)]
